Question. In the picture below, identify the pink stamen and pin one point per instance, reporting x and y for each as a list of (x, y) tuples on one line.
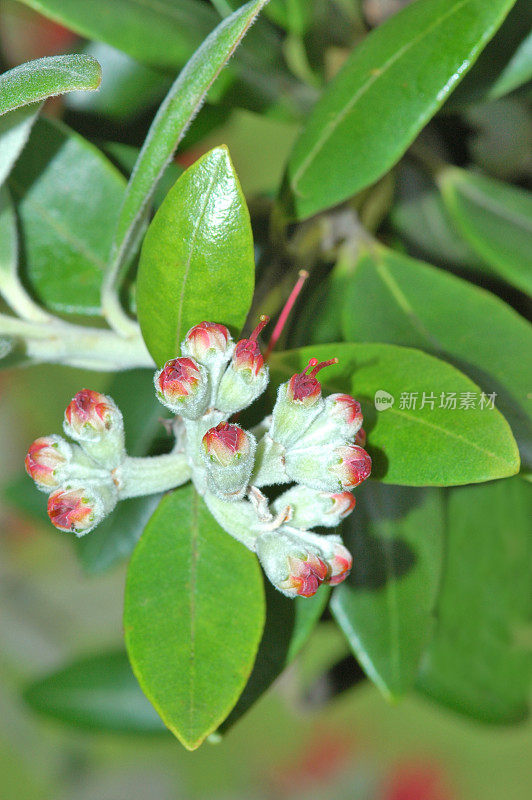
[(285, 313), (321, 365), (262, 323)]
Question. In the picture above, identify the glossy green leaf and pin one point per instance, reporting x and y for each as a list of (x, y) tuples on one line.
[(389, 87), (47, 77), (169, 126), (496, 221), (15, 127), (416, 305), (480, 660), (193, 618), (165, 33), (197, 259), (421, 446), (96, 692), (67, 224), (115, 538), (289, 624), (385, 607), (517, 72)]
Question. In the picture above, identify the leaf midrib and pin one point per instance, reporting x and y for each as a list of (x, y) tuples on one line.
[(333, 125)]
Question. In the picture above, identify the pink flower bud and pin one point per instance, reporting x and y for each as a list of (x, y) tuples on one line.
[(351, 465), (247, 356), (340, 563), (206, 342), (226, 444), (90, 415), (305, 575), (246, 377), (306, 389), (75, 509), (346, 411), (47, 460), (228, 452), (342, 504), (182, 386)]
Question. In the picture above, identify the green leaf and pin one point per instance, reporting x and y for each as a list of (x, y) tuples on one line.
[(116, 537), (197, 259), (165, 33), (193, 618), (385, 607), (416, 305), (15, 127), (414, 446), (168, 128), (96, 692), (67, 225), (480, 660), (47, 77), (289, 624), (388, 89), (496, 221), (517, 72)]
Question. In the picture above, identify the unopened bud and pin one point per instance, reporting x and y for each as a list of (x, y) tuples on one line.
[(292, 565), (246, 377), (79, 509), (331, 469), (340, 562), (228, 452), (94, 420), (47, 461), (182, 385), (209, 344), (299, 402), (339, 421), (311, 508)]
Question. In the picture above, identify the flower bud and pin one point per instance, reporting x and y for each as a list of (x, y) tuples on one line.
[(339, 421), (294, 566), (331, 469), (228, 452), (182, 385), (340, 562), (47, 461), (93, 420), (207, 342), (298, 404), (246, 377), (360, 438), (79, 509), (311, 508)]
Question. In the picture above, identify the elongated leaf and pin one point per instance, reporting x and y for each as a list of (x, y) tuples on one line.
[(15, 127), (289, 624), (517, 72), (385, 608), (193, 619), (175, 114), (165, 33), (47, 77), (8, 240), (496, 221), (480, 661), (416, 305), (97, 692), (421, 446), (390, 86), (197, 260), (67, 223)]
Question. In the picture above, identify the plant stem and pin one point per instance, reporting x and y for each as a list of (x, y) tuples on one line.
[(137, 477)]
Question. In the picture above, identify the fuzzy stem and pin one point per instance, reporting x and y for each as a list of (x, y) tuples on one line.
[(269, 463), (239, 519), (136, 477)]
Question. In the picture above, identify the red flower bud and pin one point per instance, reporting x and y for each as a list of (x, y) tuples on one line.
[(182, 386), (306, 389), (206, 340), (247, 355), (340, 563), (353, 465), (46, 459), (89, 415), (343, 504), (306, 574), (226, 444), (346, 410), (77, 510)]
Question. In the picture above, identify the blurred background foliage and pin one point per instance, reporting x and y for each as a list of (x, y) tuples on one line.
[(324, 730)]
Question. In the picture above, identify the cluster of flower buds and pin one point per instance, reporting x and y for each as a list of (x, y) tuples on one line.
[(312, 442), (79, 476)]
